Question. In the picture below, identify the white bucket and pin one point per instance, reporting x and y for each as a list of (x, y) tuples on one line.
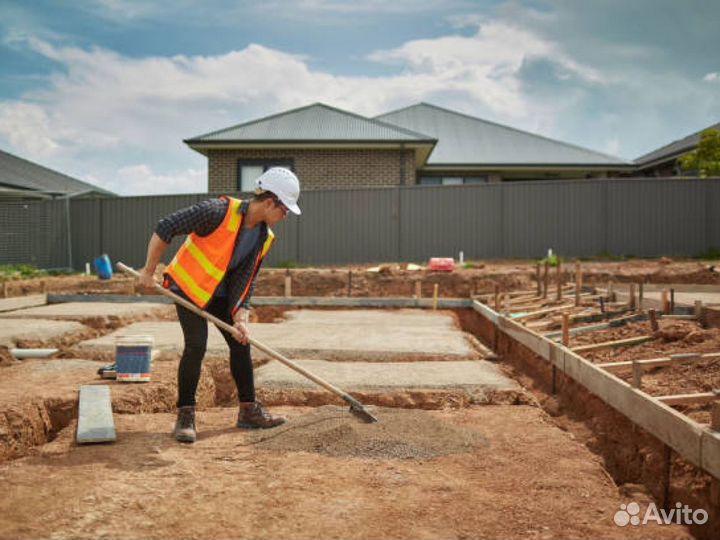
[(133, 358)]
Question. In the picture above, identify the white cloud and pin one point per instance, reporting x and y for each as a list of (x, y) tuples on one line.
[(102, 111), (143, 180), (712, 77), (101, 100), (486, 65)]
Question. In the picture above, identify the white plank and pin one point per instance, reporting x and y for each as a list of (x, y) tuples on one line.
[(95, 419)]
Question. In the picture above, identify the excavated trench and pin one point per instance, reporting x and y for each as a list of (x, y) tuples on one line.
[(632, 457), (635, 459)]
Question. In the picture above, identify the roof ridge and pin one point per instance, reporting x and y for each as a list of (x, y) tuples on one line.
[(380, 123), (251, 122), (510, 128)]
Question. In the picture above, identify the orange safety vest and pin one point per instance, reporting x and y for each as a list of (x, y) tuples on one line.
[(202, 261)]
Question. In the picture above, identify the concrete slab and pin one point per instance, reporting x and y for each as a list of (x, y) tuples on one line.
[(19, 302), (400, 318), (14, 330), (388, 376), (330, 335), (78, 311), (416, 385), (167, 334)]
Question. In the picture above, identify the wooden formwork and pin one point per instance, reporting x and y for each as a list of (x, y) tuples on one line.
[(697, 443)]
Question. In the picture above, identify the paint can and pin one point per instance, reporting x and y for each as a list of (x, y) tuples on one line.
[(133, 358), (103, 267)]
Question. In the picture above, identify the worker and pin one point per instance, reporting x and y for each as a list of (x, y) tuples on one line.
[(215, 269)]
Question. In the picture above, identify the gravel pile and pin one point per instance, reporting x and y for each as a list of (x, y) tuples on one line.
[(399, 434)]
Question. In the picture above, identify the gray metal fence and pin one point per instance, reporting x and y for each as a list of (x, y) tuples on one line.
[(630, 216)]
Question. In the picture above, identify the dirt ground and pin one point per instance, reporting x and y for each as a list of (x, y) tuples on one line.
[(393, 280), (519, 477), (462, 470)]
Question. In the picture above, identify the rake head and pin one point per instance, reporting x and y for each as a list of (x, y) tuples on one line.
[(358, 410)]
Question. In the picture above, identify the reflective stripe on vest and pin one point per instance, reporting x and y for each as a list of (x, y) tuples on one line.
[(202, 261)]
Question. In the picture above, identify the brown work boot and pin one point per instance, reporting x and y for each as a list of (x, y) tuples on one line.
[(185, 425), (253, 416)]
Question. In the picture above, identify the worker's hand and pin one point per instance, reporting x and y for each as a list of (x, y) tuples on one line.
[(146, 280), (240, 324)]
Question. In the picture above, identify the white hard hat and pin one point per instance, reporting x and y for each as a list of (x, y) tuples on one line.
[(283, 183)]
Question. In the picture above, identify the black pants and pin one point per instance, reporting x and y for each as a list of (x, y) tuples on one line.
[(195, 331)]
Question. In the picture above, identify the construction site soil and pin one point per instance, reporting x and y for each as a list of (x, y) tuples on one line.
[(526, 479), (528, 465), (393, 280), (634, 458)]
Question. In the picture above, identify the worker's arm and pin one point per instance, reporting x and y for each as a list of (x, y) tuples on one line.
[(201, 218), (156, 248)]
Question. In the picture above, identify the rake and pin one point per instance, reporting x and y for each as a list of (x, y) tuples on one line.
[(356, 407)]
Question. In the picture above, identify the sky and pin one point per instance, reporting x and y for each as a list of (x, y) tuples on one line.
[(106, 90)]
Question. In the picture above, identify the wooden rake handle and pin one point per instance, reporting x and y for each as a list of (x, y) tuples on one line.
[(355, 405)]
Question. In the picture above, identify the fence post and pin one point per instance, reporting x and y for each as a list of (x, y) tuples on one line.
[(68, 224)]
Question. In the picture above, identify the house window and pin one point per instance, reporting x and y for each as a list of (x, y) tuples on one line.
[(451, 180), (250, 169)]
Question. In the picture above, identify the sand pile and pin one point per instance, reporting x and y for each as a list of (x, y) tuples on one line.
[(399, 434)]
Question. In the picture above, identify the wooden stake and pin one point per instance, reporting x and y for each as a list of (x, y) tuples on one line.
[(610, 292), (715, 416), (640, 296), (558, 275), (602, 305), (349, 288), (546, 279), (435, 296), (288, 286), (672, 300), (578, 282), (565, 329), (664, 302), (418, 289), (5, 289), (636, 374), (537, 278), (631, 299), (654, 326), (666, 476), (497, 298), (699, 312)]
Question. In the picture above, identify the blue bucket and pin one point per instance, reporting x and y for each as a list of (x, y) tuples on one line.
[(103, 267), (133, 358)]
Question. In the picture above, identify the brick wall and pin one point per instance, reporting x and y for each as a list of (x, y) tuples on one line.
[(319, 168)]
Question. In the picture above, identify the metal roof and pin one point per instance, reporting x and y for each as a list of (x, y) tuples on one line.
[(316, 123), (17, 173), (466, 140), (674, 149)]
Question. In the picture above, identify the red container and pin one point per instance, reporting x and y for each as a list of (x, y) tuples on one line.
[(442, 264)]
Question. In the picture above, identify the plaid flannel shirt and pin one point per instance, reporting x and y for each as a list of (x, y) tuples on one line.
[(202, 219)]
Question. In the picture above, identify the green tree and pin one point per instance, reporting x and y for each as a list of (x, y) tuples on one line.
[(706, 158)]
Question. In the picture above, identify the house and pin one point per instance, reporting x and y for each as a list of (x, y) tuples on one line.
[(472, 150), (422, 144), (664, 160), (21, 179)]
